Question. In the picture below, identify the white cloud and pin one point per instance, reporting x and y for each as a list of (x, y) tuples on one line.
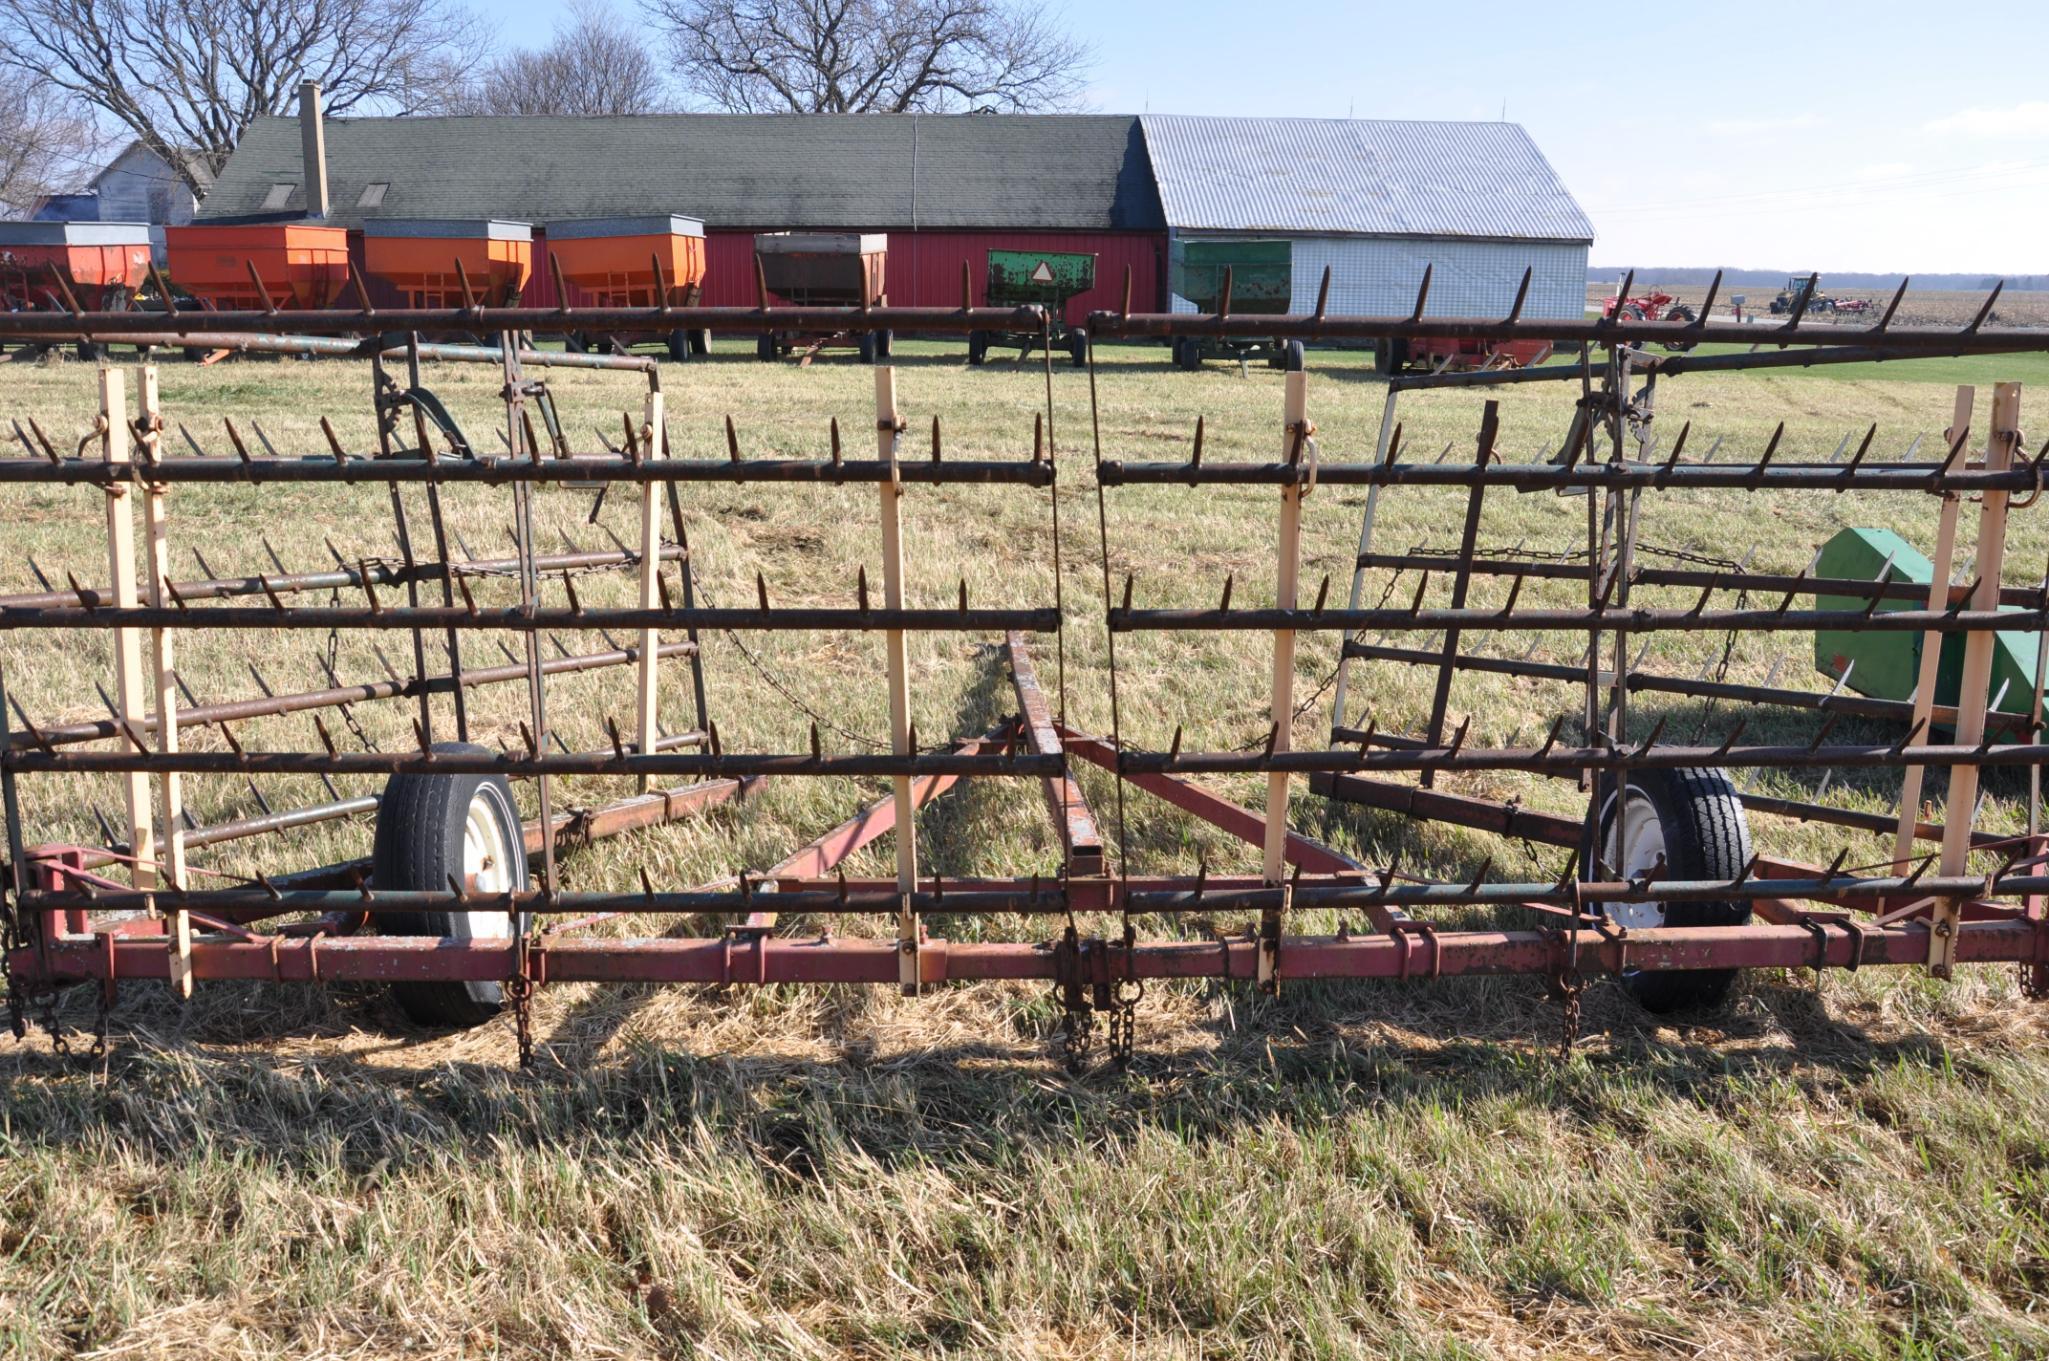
[(1758, 127), (1885, 170), (2030, 119)]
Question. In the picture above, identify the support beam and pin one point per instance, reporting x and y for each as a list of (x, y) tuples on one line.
[(1080, 842), (888, 428), (149, 435)]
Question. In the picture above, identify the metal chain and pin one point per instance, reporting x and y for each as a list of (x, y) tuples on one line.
[(12, 939), (1077, 1034), (1123, 1021), (102, 1009), (1568, 1032), (521, 992)]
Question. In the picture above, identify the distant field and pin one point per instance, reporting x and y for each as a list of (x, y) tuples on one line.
[(1918, 309), (1855, 1167)]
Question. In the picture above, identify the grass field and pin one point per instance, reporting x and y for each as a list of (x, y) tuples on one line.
[(1854, 1168), (1921, 306)]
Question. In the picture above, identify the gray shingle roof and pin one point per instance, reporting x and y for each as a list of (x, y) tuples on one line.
[(1076, 172), (1359, 176)]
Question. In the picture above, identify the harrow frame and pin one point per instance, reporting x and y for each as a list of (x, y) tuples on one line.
[(68, 921)]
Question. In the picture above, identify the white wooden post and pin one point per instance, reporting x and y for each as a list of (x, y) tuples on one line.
[(115, 447), (171, 796), (1961, 810), (888, 425), (1294, 441), (1931, 642), (647, 727)]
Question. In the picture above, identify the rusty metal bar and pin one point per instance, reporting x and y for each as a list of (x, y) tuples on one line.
[(1535, 477), (539, 618), (1080, 841), (506, 471)]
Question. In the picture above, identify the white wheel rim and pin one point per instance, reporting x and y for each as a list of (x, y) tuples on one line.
[(1636, 842), (485, 869)]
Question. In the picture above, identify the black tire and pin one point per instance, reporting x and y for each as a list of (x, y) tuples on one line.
[(868, 346), (679, 346), (1078, 347), (195, 353), (1705, 836), (421, 822), (978, 348), (1291, 356), (700, 342), (91, 353), (885, 344), (1390, 356), (765, 348), (1188, 353)]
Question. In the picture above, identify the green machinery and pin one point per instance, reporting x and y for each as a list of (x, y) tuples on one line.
[(1048, 279), (1886, 665), (1262, 282)]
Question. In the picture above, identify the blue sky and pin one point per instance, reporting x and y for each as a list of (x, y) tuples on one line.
[(1804, 135)]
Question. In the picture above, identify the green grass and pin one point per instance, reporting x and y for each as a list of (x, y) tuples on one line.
[(1849, 1170)]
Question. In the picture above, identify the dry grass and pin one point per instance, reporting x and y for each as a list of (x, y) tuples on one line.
[(1364, 1170)]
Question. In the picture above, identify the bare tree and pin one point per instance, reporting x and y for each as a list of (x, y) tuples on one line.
[(47, 145), (871, 56), (595, 66), (188, 77)]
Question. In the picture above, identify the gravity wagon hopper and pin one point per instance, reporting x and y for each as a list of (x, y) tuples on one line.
[(463, 897)]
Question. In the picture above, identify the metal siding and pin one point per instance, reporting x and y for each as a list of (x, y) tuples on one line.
[(1333, 176), (1377, 276)]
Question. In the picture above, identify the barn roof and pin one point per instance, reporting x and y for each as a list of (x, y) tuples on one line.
[(1359, 177), (1074, 172)]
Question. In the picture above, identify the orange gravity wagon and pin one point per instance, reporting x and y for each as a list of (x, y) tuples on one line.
[(633, 262), (102, 264), (428, 259), (302, 265)]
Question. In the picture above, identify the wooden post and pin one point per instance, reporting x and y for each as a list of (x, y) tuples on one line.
[(115, 447), (1961, 813), (1931, 643), (1295, 432), (647, 722), (888, 426), (169, 793)]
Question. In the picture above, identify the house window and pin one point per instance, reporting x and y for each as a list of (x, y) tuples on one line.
[(278, 197), (372, 195)]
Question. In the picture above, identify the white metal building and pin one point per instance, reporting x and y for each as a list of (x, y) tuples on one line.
[(1376, 201)]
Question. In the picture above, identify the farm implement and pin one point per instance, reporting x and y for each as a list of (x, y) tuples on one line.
[(464, 898)]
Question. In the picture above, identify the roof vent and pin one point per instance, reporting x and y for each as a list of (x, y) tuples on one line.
[(278, 197), (373, 194)]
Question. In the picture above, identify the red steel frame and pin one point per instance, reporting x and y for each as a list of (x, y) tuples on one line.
[(59, 912)]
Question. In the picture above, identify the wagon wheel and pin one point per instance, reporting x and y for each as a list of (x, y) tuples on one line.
[(700, 342), (978, 347), (1078, 347), (885, 344), (765, 348), (679, 346), (1691, 819), (431, 828), (869, 346), (1390, 356)]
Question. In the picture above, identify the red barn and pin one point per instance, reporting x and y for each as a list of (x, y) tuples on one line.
[(945, 188)]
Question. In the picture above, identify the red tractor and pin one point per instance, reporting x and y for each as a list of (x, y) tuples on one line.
[(1650, 307)]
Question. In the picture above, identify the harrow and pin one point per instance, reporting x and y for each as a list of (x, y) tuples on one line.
[(462, 904)]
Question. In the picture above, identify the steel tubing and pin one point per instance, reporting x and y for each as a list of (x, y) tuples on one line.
[(1532, 477), (1527, 620), (514, 619), (1298, 326), (502, 471), (701, 765), (622, 320), (267, 706), (378, 574), (762, 959), (1558, 760)]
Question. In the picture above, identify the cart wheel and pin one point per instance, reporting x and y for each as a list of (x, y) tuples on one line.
[(868, 346), (765, 348), (1078, 346), (885, 344), (1693, 819), (1389, 355), (432, 827), (1291, 356), (700, 342), (91, 353), (679, 346), (1187, 354), (978, 347)]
